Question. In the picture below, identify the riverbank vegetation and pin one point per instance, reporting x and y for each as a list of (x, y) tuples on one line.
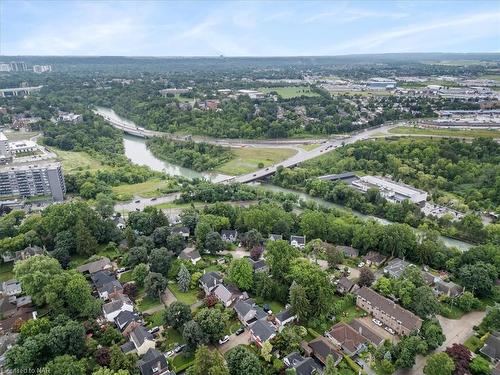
[(198, 156)]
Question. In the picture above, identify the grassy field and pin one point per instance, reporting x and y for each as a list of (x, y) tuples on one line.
[(148, 189), (188, 298), (155, 320), (289, 92), (183, 99), (77, 161), (310, 147), (275, 306), (125, 277), (247, 159), (147, 303), (447, 132), (6, 271), (19, 135)]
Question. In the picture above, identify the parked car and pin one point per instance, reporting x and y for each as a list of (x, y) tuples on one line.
[(154, 330), (239, 331), (362, 264), (224, 340), (390, 330), (266, 308), (377, 322), (179, 348), (153, 199), (138, 201), (169, 353)]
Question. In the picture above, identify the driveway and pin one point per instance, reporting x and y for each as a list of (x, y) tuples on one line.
[(367, 320), (234, 341), (239, 253), (456, 331)]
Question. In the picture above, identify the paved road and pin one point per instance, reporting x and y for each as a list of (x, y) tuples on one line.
[(141, 203)]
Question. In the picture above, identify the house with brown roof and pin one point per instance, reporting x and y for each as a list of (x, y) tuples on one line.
[(347, 339), (344, 286), (95, 266), (449, 289), (388, 312), (348, 251), (367, 332), (320, 348), (374, 258)]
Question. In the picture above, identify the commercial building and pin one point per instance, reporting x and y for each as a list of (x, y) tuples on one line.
[(32, 180), (22, 146), (69, 117), (42, 68), (390, 190)]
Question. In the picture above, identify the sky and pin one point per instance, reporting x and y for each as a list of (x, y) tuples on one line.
[(246, 28)]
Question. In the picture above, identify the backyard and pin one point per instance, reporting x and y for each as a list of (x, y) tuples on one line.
[(6, 271), (188, 298)]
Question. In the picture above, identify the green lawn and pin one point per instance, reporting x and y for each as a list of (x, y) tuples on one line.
[(289, 92), (155, 320), (247, 159), (148, 189), (473, 343), (6, 271), (188, 298), (182, 361), (126, 277), (446, 132), (275, 306), (173, 337), (77, 260), (77, 161), (147, 303), (310, 147), (19, 135)]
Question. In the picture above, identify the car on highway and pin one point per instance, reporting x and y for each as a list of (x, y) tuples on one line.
[(390, 330), (377, 322), (224, 340), (239, 331)]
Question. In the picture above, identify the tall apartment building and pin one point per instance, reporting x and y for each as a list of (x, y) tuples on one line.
[(18, 66), (32, 180), (42, 68)]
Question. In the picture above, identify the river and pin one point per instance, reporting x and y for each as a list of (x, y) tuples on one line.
[(449, 242), (137, 151)]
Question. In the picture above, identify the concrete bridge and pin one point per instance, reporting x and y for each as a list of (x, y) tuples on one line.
[(19, 91)]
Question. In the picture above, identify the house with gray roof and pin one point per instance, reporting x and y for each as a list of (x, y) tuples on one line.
[(491, 347), (248, 311), (153, 363), (349, 252), (298, 241), (449, 289), (395, 267), (226, 294), (11, 288), (183, 231), (275, 237), (303, 365), (261, 331), (116, 306), (209, 281), (140, 341), (95, 266), (191, 255), (28, 252), (345, 285), (229, 235), (320, 348), (124, 318), (110, 289), (259, 265), (283, 318)]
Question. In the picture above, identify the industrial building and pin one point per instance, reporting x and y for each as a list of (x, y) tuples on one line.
[(32, 180), (390, 190)]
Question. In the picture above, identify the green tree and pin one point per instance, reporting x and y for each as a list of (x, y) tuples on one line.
[(252, 238), (107, 371), (240, 360), (214, 243), (432, 333), (208, 362), (65, 365), (160, 260), (155, 284), (184, 279), (35, 273), (330, 368), (299, 302), (175, 243), (439, 364), (104, 205), (140, 273), (479, 278), (267, 351), (193, 335), (137, 255), (177, 314), (409, 347), (86, 244), (212, 323), (279, 255), (479, 366), (122, 361), (241, 273), (424, 302), (366, 277)]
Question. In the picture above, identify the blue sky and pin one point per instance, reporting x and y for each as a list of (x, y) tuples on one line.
[(249, 28)]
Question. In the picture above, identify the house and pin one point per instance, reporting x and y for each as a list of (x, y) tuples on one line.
[(28, 252), (491, 348), (124, 318), (344, 286), (303, 365), (347, 338), (259, 265), (183, 231), (374, 258), (106, 284), (349, 252), (96, 266), (395, 268), (320, 348), (448, 289), (116, 306), (366, 332), (429, 278), (14, 309), (388, 312), (226, 294), (11, 288), (248, 311), (275, 237), (153, 363), (283, 318), (261, 331), (298, 241), (8, 257), (119, 222), (191, 255), (229, 235), (140, 341), (209, 281)]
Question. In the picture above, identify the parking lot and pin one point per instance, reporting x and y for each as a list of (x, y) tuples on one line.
[(367, 320)]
